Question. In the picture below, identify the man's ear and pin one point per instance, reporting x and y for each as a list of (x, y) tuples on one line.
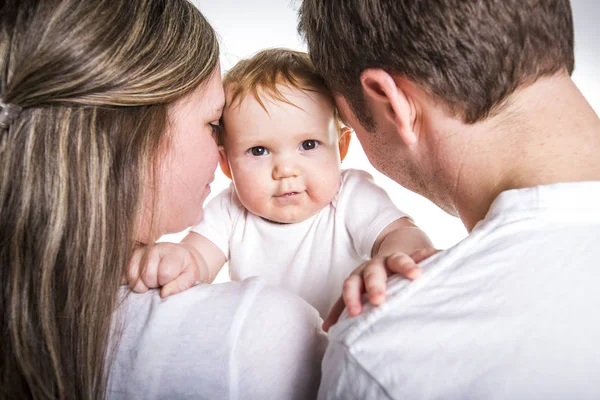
[(344, 142), (381, 89), (223, 163)]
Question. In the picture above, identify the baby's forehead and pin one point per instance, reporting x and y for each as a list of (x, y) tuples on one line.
[(281, 96), (269, 115), (286, 111)]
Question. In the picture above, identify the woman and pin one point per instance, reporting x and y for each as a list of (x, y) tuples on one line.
[(107, 111)]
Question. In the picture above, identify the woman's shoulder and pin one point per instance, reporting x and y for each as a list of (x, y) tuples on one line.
[(214, 332), (241, 297), (209, 309)]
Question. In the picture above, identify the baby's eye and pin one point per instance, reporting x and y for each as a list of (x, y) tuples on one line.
[(258, 151), (309, 145)]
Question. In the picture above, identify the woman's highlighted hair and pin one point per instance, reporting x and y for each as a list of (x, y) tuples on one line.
[(94, 80)]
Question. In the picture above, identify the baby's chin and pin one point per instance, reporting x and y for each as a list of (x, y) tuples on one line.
[(286, 219), (273, 221)]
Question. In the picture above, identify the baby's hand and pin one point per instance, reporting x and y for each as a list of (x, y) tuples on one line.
[(173, 266), (371, 277)]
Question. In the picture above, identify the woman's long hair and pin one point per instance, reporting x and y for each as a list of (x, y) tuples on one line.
[(94, 79)]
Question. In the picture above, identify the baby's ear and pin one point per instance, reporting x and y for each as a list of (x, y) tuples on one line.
[(345, 142), (223, 163)]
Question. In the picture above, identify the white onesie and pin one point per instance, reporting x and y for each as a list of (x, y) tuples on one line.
[(311, 258)]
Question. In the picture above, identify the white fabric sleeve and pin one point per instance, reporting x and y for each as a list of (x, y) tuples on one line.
[(236, 340), (367, 209), (280, 348), (219, 216), (345, 379)]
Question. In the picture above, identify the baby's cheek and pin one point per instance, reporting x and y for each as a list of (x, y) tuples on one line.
[(254, 204), (252, 198), (325, 191)]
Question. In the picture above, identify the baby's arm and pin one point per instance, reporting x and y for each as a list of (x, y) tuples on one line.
[(175, 266), (392, 253), (397, 250)]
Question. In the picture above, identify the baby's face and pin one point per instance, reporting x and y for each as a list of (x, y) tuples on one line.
[(285, 163)]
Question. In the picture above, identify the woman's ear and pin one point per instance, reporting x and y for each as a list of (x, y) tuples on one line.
[(344, 142), (223, 163), (380, 87)]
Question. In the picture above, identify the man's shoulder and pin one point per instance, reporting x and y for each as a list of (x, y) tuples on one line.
[(481, 266), (506, 296)]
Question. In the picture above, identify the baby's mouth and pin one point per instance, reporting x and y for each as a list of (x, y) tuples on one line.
[(288, 194)]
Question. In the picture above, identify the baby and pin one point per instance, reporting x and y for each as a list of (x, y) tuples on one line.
[(291, 214)]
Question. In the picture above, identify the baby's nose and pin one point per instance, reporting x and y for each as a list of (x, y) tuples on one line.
[(285, 169)]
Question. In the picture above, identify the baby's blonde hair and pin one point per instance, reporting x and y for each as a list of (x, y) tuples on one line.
[(259, 76)]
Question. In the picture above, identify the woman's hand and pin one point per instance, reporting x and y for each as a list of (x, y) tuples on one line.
[(371, 277), (173, 266)]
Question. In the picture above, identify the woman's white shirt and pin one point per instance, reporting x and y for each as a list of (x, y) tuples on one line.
[(237, 340)]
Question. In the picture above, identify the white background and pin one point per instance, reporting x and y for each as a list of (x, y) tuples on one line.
[(245, 27)]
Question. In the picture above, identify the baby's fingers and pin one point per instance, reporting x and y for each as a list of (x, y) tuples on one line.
[(334, 314), (185, 280), (352, 291), (404, 265), (132, 274), (375, 278), (422, 254)]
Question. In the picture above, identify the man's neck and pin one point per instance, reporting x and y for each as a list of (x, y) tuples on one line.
[(548, 133)]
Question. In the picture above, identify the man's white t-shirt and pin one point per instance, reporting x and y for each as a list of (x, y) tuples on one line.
[(237, 340), (311, 258), (511, 312)]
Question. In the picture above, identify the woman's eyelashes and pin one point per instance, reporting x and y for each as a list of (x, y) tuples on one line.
[(217, 129)]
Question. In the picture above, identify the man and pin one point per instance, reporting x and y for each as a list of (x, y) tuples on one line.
[(471, 104)]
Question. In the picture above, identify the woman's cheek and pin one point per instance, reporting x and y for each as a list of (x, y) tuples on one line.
[(200, 216)]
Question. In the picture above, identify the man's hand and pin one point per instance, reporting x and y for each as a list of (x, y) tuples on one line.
[(371, 277), (173, 266)]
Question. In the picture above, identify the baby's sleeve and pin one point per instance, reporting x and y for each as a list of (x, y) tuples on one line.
[(366, 208), (219, 216)]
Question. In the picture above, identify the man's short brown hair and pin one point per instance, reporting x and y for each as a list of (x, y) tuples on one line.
[(261, 74), (471, 54)]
